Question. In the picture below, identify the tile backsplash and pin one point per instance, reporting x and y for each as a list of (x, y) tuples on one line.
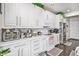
[(23, 32)]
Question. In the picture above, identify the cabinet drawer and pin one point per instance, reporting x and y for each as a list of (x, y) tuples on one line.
[(36, 50), (34, 41), (21, 45), (36, 44)]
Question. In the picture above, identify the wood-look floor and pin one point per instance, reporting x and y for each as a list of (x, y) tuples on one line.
[(67, 49)]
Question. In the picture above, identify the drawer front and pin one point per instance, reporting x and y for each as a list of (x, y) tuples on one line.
[(35, 50), (21, 45), (35, 41), (35, 45)]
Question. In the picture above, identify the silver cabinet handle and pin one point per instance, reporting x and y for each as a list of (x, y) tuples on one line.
[(37, 44), (36, 49), (19, 52), (22, 52), (20, 21), (17, 20)]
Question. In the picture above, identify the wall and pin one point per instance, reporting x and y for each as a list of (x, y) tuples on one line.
[(0, 26), (74, 27)]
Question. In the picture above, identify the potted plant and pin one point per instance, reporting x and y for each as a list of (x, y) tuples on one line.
[(39, 5), (61, 13), (5, 51)]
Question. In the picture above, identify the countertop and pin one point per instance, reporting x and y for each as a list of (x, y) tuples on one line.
[(2, 44)]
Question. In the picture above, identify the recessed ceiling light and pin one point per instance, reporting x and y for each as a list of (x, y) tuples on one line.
[(52, 4), (68, 10)]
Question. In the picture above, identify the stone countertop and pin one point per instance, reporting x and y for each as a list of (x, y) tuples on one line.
[(2, 44)]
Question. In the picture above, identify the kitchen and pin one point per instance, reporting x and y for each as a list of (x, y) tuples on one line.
[(34, 29)]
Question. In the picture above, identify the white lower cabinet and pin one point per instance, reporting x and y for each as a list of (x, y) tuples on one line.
[(24, 51), (35, 47), (18, 49), (50, 42), (38, 45), (56, 39), (32, 46), (43, 43)]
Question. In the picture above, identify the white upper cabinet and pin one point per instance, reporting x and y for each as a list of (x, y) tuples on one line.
[(34, 13), (57, 21), (37, 13), (21, 15), (47, 18), (59, 18), (51, 17), (42, 18), (27, 15), (10, 18)]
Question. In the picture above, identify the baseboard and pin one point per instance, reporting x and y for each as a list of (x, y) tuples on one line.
[(73, 39)]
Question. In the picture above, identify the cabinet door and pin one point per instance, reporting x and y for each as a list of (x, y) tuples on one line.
[(33, 16), (56, 39), (44, 43), (50, 19), (25, 51), (37, 12), (10, 18), (23, 14), (59, 19), (47, 18), (28, 15), (42, 18), (50, 43)]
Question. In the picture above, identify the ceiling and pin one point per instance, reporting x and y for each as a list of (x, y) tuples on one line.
[(64, 7)]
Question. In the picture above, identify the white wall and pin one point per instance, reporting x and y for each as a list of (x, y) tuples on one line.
[(0, 26), (74, 27)]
